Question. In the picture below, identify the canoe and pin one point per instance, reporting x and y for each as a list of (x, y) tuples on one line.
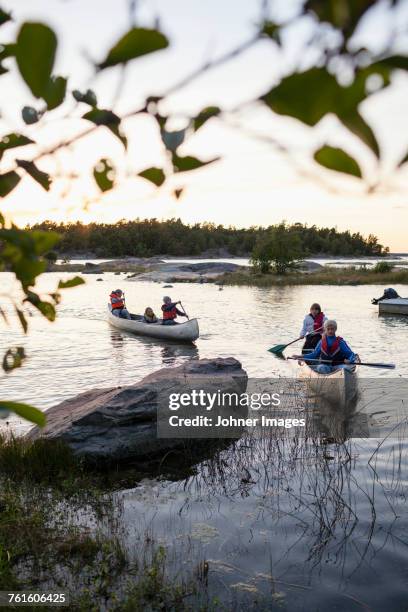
[(338, 387), (396, 306), (182, 332)]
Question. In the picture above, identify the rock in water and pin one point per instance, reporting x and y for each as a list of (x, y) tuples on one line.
[(120, 424)]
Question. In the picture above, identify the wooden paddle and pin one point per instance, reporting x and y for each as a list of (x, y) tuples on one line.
[(279, 348), (388, 366), (181, 305)]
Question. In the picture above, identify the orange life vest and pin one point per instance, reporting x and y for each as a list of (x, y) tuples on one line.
[(120, 303), (169, 315)]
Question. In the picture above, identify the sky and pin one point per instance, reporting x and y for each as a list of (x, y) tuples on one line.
[(254, 183)]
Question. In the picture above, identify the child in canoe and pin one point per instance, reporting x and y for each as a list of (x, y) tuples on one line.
[(332, 350), (149, 316), (312, 324), (170, 311)]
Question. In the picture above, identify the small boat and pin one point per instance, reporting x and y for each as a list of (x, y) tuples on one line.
[(338, 387), (182, 332), (397, 306)]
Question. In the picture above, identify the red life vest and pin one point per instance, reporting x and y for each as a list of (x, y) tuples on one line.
[(333, 350), (120, 303), (318, 321), (169, 315)]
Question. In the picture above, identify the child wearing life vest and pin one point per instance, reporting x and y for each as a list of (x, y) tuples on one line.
[(331, 348), (117, 300), (312, 324), (149, 316), (170, 311)]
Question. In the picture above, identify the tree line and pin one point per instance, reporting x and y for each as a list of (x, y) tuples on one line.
[(149, 237)]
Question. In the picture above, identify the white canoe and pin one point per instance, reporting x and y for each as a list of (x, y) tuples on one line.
[(338, 388), (182, 332), (395, 306)]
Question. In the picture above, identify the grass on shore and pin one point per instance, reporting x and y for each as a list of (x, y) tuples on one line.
[(45, 545), (333, 276)]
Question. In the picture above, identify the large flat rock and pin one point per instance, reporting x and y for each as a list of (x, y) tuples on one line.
[(120, 424)]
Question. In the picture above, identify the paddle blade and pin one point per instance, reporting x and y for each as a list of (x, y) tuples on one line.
[(278, 349)]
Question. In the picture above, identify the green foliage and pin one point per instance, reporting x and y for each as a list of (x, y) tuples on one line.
[(148, 237), (72, 282), (105, 117), (35, 55), (11, 141), (154, 175), (321, 94), (13, 358), (89, 97), (187, 163), (382, 267), (8, 182), (104, 174), (4, 17), (204, 115), (135, 43), (29, 413), (279, 248), (337, 159), (42, 178), (342, 14), (54, 94)]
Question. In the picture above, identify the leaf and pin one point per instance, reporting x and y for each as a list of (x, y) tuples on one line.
[(55, 93), (104, 174), (310, 95), (38, 175), (307, 96), (399, 62), (154, 175), (185, 164), (22, 319), (8, 182), (10, 141), (13, 358), (30, 115), (46, 308), (35, 54), (356, 124), (135, 43), (89, 97), (7, 50), (172, 140), (105, 117), (72, 282), (204, 115), (342, 14), (337, 159), (271, 30), (29, 413), (4, 17)]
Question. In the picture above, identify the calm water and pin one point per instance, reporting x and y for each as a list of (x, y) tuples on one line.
[(281, 524)]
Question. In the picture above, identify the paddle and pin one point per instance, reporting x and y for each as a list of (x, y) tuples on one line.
[(181, 305), (388, 366), (279, 348)]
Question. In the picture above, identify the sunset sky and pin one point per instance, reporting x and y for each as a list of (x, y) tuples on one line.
[(254, 183)]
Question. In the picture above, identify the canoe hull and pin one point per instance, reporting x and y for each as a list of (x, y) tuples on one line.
[(183, 332), (338, 388), (397, 306)]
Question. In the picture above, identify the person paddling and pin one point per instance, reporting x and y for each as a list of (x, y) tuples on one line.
[(170, 311), (330, 348), (117, 300), (312, 324)]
